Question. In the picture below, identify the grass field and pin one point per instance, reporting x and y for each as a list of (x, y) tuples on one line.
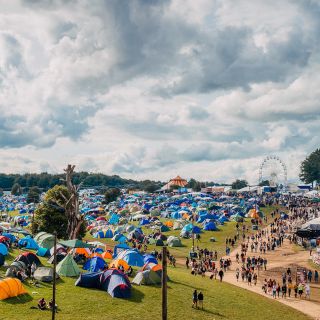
[(222, 301)]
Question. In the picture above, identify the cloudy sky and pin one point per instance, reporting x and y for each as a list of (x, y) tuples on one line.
[(151, 89)]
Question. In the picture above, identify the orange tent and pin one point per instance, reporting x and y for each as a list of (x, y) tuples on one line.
[(169, 224), (185, 216), (151, 266), (106, 255), (11, 287), (119, 262), (85, 251)]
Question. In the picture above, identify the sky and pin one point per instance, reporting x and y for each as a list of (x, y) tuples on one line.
[(151, 89)]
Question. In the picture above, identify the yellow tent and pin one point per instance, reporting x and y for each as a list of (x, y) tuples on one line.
[(11, 287), (117, 263)]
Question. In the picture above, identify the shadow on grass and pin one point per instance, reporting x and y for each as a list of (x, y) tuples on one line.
[(184, 284), (136, 295), (212, 312), (24, 298)]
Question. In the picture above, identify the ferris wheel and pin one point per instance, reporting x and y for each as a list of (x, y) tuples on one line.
[(274, 170)]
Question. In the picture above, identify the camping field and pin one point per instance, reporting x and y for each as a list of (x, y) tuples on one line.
[(222, 300)]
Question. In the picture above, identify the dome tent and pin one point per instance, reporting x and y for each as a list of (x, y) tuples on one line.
[(68, 267), (174, 242)]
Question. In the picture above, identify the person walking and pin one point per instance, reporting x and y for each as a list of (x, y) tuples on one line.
[(195, 299), (221, 274), (307, 290), (274, 291), (316, 276), (200, 299)]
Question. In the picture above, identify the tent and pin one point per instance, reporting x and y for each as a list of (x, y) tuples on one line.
[(89, 280), (109, 233), (44, 240), (11, 287), (28, 258), (43, 252), (147, 277), (99, 235), (68, 267), (119, 248), (132, 257), (164, 228), (11, 237), (116, 283), (59, 257), (3, 249), (29, 243), (174, 242), (75, 244), (94, 264), (44, 274), (119, 262), (149, 258), (209, 226), (14, 267)]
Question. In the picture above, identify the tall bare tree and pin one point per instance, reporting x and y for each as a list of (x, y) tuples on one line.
[(75, 219)]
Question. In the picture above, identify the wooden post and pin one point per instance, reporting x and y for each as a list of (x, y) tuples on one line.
[(164, 284), (54, 277)]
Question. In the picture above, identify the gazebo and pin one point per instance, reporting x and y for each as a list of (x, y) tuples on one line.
[(177, 181)]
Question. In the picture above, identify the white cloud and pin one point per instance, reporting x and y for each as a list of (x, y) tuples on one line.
[(150, 89)]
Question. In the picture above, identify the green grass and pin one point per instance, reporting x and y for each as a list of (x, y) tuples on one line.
[(222, 301)]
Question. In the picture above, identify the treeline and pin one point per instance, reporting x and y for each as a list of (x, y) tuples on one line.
[(46, 181)]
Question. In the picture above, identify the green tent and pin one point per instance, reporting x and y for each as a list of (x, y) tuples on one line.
[(147, 277), (174, 242), (68, 267), (44, 240), (75, 244)]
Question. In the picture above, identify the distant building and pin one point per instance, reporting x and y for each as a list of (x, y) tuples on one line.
[(216, 189)]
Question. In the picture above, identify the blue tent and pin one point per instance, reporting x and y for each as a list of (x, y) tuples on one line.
[(94, 264), (144, 222), (43, 252), (3, 249), (99, 234), (116, 283), (132, 258), (9, 236), (89, 280), (175, 215), (109, 233), (149, 258), (29, 243), (118, 248), (114, 219), (210, 226), (196, 229)]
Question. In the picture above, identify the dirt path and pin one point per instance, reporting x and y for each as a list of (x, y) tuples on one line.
[(278, 261)]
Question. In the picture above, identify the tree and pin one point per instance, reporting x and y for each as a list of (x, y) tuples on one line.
[(111, 195), (16, 189), (33, 195), (51, 215), (239, 184), (310, 168), (264, 183)]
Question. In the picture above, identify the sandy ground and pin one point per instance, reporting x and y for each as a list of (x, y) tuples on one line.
[(278, 261)]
